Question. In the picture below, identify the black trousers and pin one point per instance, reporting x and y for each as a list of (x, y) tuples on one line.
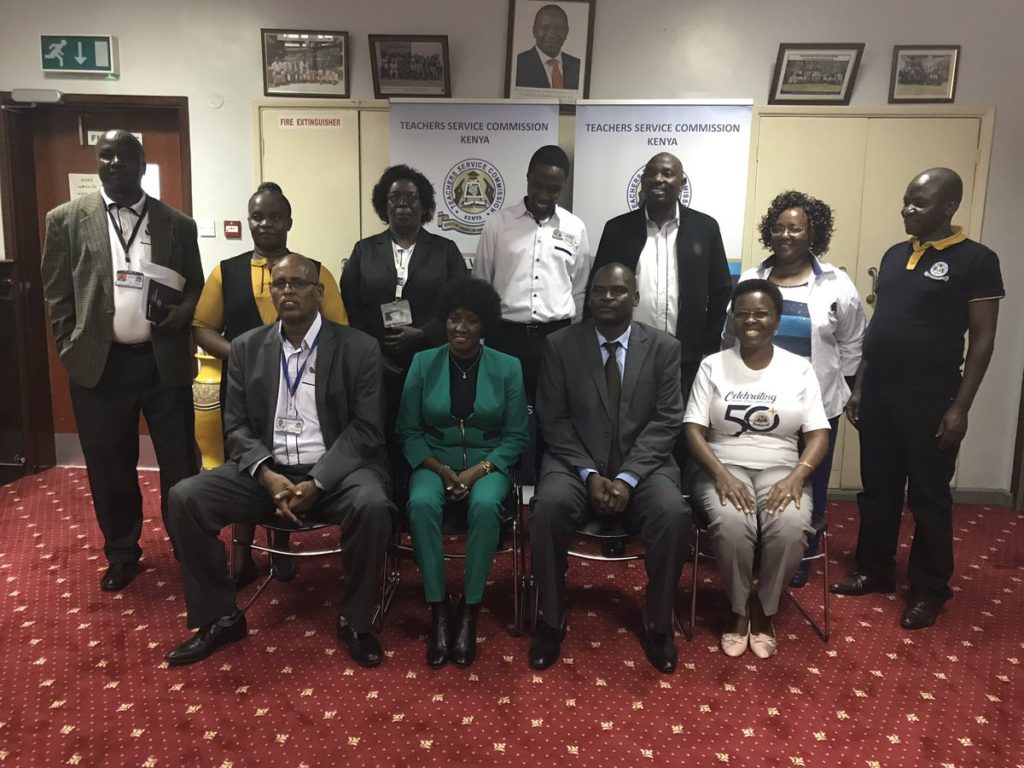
[(203, 505), (899, 452), (655, 511), (526, 342), (108, 428)]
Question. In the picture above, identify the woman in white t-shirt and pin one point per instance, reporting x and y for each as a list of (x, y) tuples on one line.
[(748, 406)]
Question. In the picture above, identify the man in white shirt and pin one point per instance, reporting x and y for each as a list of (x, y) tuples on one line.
[(122, 357), (320, 456), (546, 65)]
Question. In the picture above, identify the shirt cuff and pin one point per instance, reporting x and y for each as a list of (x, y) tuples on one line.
[(318, 484), (255, 468), (629, 478), (587, 472)]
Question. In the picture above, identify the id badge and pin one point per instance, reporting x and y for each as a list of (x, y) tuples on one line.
[(396, 313), (288, 426), (126, 278)]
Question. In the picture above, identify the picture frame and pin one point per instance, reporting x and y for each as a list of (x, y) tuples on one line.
[(410, 65), (815, 73), (924, 74), (562, 28), (305, 63)]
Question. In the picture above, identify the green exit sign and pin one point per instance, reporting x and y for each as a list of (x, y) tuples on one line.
[(77, 53)]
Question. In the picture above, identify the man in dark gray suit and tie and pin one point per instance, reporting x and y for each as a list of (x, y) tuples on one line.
[(120, 361), (610, 406)]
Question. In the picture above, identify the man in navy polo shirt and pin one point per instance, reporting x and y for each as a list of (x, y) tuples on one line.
[(910, 402)]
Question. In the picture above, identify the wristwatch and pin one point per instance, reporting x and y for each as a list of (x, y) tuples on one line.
[(488, 466)]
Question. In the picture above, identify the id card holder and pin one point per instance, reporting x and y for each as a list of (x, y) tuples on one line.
[(127, 278), (288, 426), (396, 313)]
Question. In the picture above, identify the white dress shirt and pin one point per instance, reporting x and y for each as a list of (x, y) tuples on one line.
[(130, 323), (539, 270), (308, 446), (657, 276)]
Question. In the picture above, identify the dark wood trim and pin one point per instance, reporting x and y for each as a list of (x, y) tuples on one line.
[(1017, 472)]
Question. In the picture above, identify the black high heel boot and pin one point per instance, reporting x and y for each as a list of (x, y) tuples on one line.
[(439, 641), (464, 647)]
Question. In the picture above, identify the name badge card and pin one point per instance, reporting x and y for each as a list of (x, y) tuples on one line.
[(126, 278), (288, 426), (396, 313)]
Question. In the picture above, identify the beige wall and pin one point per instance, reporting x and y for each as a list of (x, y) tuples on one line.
[(643, 49)]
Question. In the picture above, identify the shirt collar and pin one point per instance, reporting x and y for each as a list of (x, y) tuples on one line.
[(815, 266), (307, 340), (675, 218), (544, 59), (958, 236), (623, 339), (521, 210), (136, 206)]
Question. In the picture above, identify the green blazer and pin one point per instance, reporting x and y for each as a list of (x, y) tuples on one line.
[(496, 430)]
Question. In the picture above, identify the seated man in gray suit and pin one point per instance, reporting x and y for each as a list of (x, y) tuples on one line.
[(610, 406), (304, 438)]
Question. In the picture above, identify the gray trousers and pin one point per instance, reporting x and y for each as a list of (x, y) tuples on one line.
[(734, 536), (201, 506)]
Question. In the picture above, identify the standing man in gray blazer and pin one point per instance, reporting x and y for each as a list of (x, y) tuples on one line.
[(610, 406), (119, 362)]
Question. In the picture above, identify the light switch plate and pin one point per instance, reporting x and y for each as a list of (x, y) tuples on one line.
[(207, 227)]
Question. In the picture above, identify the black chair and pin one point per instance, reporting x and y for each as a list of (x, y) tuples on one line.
[(820, 528), (455, 524)]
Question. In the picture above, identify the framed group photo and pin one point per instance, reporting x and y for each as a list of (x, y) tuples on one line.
[(924, 74), (410, 65), (815, 73), (301, 63), (549, 49)]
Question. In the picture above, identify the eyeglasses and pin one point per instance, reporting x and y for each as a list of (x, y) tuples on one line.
[(297, 284), (757, 314), (792, 231), (397, 199)]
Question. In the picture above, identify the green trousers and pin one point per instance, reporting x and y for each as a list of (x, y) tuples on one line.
[(426, 507)]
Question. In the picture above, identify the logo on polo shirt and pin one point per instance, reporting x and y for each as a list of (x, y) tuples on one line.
[(634, 192), (473, 190), (938, 271)]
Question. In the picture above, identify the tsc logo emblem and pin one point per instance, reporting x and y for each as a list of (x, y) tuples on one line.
[(473, 190), (634, 192), (752, 418), (938, 271)]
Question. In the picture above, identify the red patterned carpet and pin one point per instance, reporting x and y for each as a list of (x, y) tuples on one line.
[(83, 679)]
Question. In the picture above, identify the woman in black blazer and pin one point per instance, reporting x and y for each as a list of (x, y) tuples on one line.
[(391, 280)]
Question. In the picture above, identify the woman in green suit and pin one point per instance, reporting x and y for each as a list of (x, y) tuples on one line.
[(462, 423)]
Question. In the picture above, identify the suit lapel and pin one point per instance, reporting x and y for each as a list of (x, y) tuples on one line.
[(272, 377), (325, 351), (635, 356), (159, 233), (386, 256), (587, 340), (421, 253), (96, 236)]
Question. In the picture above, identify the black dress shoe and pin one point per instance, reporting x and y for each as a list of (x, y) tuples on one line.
[(862, 584), (660, 648), (920, 614), (118, 576), (246, 575), (546, 646), (614, 547), (207, 640), (363, 647), (464, 647), (439, 641)]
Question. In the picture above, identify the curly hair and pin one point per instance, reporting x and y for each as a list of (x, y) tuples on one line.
[(403, 173), (475, 295), (758, 285), (819, 216)]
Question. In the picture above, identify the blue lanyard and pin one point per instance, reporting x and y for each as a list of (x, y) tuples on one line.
[(293, 388)]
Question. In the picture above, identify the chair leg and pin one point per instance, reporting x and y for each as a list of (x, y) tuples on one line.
[(693, 585), (822, 631), (391, 575)]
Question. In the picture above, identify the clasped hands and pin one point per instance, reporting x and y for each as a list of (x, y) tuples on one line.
[(291, 500), (458, 484), (607, 498)]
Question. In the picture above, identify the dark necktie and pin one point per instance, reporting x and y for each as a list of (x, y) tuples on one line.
[(613, 379)]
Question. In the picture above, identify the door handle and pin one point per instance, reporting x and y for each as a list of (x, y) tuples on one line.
[(873, 274)]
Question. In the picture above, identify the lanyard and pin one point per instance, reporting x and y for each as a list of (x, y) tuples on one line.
[(401, 267), (293, 388), (116, 221)]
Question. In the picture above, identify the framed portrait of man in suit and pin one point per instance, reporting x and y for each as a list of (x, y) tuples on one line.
[(549, 49)]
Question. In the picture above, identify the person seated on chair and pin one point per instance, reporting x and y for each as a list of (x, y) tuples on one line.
[(610, 406), (748, 406), (236, 299), (305, 441), (462, 424)]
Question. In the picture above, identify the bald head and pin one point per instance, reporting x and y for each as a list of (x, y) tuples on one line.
[(306, 267), (947, 183), (931, 199), (121, 164), (617, 271)]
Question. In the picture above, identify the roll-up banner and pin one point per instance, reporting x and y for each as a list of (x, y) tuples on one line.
[(615, 139), (475, 153)]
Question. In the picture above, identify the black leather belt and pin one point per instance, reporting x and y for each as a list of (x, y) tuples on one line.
[(535, 329), (145, 348)]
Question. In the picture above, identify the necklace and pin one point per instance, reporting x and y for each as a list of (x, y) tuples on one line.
[(464, 371)]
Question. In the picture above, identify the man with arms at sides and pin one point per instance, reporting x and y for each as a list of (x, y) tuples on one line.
[(681, 270), (910, 400), (611, 410), (545, 65), (537, 257), (119, 362), (304, 438)]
